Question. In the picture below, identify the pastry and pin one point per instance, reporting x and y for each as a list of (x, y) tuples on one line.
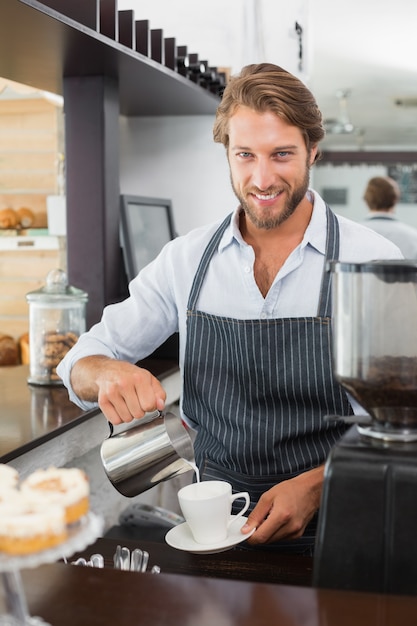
[(35, 514), (24, 348), (9, 350), (25, 217), (8, 218), (68, 487), (54, 348), (30, 525)]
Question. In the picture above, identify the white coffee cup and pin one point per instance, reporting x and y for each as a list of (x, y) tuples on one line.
[(207, 509)]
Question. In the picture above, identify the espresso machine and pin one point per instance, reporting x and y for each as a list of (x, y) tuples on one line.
[(367, 526)]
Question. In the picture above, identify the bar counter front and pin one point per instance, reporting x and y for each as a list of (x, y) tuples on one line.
[(237, 587), (65, 595)]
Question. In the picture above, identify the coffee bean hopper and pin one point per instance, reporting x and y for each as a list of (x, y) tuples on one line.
[(367, 527)]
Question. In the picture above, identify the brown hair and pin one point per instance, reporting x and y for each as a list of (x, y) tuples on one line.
[(382, 193), (268, 87)]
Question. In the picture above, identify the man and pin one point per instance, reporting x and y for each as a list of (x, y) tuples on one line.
[(250, 298), (382, 194)]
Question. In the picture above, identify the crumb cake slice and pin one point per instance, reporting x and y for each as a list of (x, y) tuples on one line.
[(68, 487), (28, 526)]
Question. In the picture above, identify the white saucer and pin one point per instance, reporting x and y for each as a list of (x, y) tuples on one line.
[(180, 537)]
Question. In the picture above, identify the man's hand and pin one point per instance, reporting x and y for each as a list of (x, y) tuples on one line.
[(284, 511), (123, 391)]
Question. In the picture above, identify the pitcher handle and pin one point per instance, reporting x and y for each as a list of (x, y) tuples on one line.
[(147, 417)]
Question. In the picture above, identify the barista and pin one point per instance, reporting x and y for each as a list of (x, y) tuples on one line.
[(250, 298)]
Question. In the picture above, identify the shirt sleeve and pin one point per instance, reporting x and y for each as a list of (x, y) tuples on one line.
[(132, 329)]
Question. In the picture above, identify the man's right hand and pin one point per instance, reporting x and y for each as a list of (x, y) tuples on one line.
[(123, 391)]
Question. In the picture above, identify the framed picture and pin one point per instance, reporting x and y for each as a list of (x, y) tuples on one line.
[(406, 177), (146, 225)]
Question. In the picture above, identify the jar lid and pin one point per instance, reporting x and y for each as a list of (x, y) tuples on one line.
[(57, 287)]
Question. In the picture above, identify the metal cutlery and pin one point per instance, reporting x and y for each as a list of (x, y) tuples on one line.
[(117, 558), (145, 560), (125, 558), (80, 561), (96, 560), (136, 560)]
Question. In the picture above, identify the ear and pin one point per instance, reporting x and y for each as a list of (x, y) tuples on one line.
[(313, 154)]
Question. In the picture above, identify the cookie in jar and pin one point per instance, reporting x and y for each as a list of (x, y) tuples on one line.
[(57, 314)]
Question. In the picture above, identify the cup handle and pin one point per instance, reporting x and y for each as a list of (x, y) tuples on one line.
[(236, 496)]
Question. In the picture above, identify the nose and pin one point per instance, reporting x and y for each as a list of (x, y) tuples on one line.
[(263, 175)]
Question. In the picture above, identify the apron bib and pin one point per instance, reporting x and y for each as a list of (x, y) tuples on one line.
[(257, 391)]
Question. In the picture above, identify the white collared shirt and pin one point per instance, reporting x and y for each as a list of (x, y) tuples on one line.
[(388, 225), (156, 308)]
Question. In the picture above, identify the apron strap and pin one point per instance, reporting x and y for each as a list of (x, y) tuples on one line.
[(204, 262), (332, 254)]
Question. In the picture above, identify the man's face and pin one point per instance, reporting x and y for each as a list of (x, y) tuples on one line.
[(269, 166)]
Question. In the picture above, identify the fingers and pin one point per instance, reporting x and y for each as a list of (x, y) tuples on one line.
[(130, 394), (271, 530), (259, 514), (281, 513), (109, 411)]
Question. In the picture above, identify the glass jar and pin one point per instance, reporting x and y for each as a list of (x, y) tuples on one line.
[(57, 314)]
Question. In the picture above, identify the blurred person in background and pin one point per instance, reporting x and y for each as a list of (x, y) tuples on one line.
[(382, 194)]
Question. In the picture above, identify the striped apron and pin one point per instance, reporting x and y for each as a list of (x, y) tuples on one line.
[(257, 391)]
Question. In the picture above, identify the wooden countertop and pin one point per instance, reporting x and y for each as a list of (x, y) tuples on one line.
[(65, 595), (33, 414), (240, 563), (30, 415)]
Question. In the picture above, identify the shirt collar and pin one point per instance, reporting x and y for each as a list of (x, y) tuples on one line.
[(316, 231), (382, 215), (232, 232), (315, 234)]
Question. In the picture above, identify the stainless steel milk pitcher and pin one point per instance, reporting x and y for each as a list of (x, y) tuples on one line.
[(149, 451)]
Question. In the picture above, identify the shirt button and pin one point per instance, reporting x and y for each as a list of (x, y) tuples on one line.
[(263, 316), (247, 269)]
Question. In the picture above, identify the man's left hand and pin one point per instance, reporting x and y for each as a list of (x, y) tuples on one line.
[(284, 511)]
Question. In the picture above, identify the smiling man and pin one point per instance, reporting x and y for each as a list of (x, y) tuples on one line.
[(270, 165), (250, 298)]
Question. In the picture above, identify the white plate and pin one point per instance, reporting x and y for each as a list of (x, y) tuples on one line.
[(180, 537)]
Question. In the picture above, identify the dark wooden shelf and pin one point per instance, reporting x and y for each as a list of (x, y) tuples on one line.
[(40, 47)]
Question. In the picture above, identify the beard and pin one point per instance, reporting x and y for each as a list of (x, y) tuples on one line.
[(267, 221)]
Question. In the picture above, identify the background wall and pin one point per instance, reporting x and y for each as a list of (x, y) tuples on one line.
[(176, 158)]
